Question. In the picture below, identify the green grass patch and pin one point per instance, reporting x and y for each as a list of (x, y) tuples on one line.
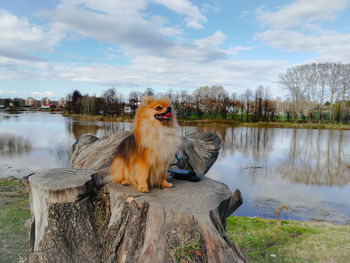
[(182, 251), (271, 240), (14, 201), (236, 120)]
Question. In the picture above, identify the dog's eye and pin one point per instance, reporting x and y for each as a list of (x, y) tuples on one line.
[(158, 107)]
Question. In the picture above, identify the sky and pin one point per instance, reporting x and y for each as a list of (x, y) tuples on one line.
[(48, 48)]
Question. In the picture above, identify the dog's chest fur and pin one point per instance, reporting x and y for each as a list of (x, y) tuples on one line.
[(161, 143)]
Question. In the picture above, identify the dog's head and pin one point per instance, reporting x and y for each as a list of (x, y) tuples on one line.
[(158, 110)]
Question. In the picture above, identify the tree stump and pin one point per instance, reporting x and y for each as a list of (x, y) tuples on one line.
[(78, 218)]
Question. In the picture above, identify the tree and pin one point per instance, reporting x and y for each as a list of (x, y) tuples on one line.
[(344, 88), (333, 83), (149, 92), (76, 101), (293, 80), (247, 96)]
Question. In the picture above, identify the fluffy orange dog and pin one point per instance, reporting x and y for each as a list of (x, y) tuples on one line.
[(142, 159)]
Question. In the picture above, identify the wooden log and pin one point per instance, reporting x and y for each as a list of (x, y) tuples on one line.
[(76, 218), (198, 151)]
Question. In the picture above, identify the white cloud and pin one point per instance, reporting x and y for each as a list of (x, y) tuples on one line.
[(194, 17), (300, 12), (214, 40), (235, 50), (329, 45), (155, 72), (212, 7), (7, 93), (129, 30), (48, 94), (156, 60), (19, 37), (124, 27), (298, 27), (171, 31)]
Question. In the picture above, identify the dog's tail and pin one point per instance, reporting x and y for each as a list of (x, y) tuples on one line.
[(116, 171)]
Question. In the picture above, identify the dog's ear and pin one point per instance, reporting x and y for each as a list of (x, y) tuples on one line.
[(145, 100), (166, 99)]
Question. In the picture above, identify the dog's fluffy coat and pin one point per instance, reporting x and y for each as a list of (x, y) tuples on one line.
[(142, 159)]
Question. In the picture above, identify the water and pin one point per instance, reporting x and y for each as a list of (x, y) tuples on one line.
[(286, 173)]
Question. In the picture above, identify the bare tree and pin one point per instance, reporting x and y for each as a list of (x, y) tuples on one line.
[(323, 75), (248, 95), (333, 84), (311, 80), (294, 81), (344, 88)]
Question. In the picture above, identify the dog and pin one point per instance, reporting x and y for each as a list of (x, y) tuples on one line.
[(142, 159)]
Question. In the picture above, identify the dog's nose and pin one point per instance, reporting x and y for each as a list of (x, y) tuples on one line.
[(169, 109)]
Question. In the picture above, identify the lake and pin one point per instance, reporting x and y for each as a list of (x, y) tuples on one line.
[(282, 173)]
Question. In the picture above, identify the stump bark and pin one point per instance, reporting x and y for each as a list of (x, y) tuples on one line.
[(78, 218)]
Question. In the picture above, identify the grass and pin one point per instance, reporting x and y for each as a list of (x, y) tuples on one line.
[(183, 251), (298, 125), (14, 202), (270, 240)]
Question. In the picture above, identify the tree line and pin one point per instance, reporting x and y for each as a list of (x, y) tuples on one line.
[(206, 102), (318, 92)]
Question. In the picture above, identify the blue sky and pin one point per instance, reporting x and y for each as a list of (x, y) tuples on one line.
[(51, 47)]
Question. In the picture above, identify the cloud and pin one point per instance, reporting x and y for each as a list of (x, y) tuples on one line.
[(214, 40), (300, 12), (123, 26), (48, 94), (329, 45), (129, 29), (155, 59), (194, 17), (5, 93), (19, 37), (298, 27), (151, 71), (171, 31), (212, 7)]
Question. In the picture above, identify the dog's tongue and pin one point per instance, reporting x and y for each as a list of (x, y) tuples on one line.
[(168, 115)]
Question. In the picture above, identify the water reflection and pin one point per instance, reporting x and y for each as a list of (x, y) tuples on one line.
[(316, 157), (312, 157), (78, 129), (307, 169), (99, 129), (11, 145)]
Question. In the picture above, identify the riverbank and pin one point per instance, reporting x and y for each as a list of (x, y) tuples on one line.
[(262, 240), (221, 122)]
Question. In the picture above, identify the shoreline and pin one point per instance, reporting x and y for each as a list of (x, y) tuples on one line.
[(221, 122)]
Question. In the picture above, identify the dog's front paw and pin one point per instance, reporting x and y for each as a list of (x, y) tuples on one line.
[(165, 184), (143, 188), (125, 182)]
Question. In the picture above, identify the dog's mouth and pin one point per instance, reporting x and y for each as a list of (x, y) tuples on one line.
[(166, 116)]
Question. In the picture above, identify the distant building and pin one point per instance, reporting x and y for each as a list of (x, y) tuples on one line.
[(131, 106), (45, 101), (30, 102), (45, 106), (61, 103)]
